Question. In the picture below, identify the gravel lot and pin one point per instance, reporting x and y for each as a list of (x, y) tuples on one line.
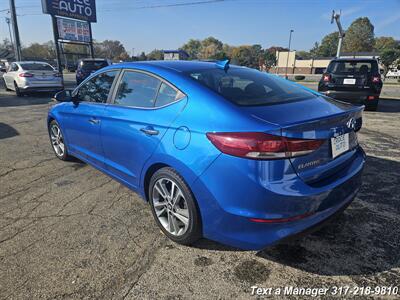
[(67, 231)]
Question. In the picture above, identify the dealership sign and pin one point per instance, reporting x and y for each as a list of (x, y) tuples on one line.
[(76, 9), (73, 30)]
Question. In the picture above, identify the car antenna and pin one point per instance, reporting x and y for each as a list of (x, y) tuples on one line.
[(223, 64)]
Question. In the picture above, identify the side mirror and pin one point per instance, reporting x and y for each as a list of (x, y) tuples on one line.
[(63, 96)]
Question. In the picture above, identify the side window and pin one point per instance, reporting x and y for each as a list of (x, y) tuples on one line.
[(166, 95), (137, 89), (97, 88)]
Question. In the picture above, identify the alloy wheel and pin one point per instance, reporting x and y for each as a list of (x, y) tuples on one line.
[(57, 140), (170, 206)]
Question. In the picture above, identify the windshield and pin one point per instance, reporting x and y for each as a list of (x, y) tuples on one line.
[(250, 87), (353, 67), (36, 67), (94, 65)]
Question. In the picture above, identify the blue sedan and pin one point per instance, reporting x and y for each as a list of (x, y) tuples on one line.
[(219, 151)]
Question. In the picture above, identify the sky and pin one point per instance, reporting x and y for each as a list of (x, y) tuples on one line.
[(144, 25)]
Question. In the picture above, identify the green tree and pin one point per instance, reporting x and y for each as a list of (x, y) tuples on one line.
[(211, 48), (142, 56), (36, 51), (155, 55), (359, 36), (193, 48), (328, 45), (269, 58), (242, 56), (111, 49), (303, 54), (388, 56), (383, 42)]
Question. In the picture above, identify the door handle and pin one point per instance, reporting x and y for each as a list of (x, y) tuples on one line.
[(149, 131), (94, 121)]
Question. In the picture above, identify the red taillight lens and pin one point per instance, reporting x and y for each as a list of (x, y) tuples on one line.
[(326, 77), (376, 79), (25, 74), (258, 145)]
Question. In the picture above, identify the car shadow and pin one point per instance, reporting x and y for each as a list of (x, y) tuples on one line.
[(363, 240), (6, 131), (32, 99)]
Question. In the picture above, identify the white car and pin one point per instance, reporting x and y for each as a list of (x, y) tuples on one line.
[(32, 76), (393, 74)]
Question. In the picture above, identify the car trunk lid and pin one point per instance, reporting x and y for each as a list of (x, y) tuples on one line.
[(315, 118)]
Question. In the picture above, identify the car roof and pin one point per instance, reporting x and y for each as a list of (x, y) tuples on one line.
[(93, 59), (31, 62), (175, 65), (354, 59)]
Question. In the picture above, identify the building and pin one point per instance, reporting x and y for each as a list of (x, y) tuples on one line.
[(175, 55), (315, 65)]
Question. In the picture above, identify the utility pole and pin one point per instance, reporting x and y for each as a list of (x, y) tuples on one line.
[(9, 30), (287, 58), (17, 47), (336, 17)]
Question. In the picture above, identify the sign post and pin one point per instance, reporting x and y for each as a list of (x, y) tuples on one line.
[(76, 29)]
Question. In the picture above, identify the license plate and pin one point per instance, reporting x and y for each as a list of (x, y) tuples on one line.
[(340, 144), (349, 81)]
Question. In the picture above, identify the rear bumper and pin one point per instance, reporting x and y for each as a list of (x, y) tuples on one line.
[(358, 97), (233, 190)]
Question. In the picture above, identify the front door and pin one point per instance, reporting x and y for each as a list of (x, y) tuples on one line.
[(135, 122), (82, 119)]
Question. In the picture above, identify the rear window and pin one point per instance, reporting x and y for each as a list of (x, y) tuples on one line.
[(249, 87), (353, 67), (36, 67), (94, 65)]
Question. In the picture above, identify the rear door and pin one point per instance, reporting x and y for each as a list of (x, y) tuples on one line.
[(143, 108), (82, 121)]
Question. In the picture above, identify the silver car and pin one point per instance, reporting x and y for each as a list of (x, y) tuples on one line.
[(32, 76)]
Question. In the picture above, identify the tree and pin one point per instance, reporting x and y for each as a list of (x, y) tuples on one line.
[(193, 48), (303, 55), (211, 48), (328, 45), (359, 36), (6, 45), (155, 55), (242, 56), (269, 58), (142, 56), (36, 51), (382, 43), (388, 56), (111, 49)]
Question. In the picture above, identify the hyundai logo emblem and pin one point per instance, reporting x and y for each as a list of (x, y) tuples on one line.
[(351, 124)]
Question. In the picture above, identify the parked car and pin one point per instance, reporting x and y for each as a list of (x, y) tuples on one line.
[(393, 74), (88, 66), (223, 152), (32, 76), (353, 80)]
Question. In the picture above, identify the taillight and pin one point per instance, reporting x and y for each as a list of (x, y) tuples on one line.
[(326, 77), (258, 145), (26, 74), (376, 79)]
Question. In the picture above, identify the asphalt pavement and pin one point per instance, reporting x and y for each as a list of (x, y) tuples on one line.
[(68, 231)]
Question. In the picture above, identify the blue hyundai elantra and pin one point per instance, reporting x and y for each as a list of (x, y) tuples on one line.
[(219, 151)]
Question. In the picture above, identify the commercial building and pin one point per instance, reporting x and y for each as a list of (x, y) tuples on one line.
[(317, 65)]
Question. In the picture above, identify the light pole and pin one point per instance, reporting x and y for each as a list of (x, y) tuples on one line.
[(287, 58)]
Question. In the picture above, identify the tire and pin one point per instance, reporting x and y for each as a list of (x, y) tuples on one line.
[(17, 90), (165, 211), (63, 155)]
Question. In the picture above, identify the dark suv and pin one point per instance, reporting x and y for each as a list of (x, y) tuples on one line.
[(353, 80), (88, 66)]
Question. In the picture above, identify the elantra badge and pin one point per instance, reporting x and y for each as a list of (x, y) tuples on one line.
[(351, 124)]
